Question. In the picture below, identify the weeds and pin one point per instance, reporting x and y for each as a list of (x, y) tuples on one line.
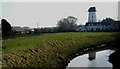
[(49, 50)]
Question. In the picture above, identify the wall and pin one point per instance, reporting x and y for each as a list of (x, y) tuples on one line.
[(94, 28), (82, 29), (92, 17)]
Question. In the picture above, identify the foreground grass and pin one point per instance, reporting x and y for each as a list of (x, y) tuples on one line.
[(49, 50)]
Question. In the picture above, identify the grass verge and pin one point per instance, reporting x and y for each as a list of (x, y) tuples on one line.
[(49, 50)]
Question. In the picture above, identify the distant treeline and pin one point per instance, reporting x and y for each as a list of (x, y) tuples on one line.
[(68, 24), (64, 25)]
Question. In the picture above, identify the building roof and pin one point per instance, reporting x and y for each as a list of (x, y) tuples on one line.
[(92, 9), (83, 26), (17, 28)]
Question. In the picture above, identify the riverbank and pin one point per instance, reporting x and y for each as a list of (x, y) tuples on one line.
[(50, 50), (101, 60)]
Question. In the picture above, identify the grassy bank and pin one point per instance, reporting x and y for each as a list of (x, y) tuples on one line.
[(49, 50)]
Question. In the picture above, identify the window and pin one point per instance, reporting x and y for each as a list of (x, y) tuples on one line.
[(92, 16), (111, 29), (91, 29), (105, 25), (92, 20), (97, 29), (107, 29)]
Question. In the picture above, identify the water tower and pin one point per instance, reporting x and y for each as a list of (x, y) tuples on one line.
[(92, 14), (92, 19), (92, 55)]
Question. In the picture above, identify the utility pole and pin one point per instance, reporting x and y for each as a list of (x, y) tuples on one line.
[(37, 25), (119, 10)]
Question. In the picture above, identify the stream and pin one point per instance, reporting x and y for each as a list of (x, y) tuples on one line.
[(101, 60)]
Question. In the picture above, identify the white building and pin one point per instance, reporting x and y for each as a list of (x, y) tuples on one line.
[(93, 25), (81, 28), (90, 25), (102, 26), (92, 14)]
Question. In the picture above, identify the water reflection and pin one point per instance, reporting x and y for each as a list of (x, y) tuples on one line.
[(100, 61)]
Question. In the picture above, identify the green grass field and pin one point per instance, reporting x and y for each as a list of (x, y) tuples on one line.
[(49, 50)]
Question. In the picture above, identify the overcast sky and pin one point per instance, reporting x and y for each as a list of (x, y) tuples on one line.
[(47, 14)]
